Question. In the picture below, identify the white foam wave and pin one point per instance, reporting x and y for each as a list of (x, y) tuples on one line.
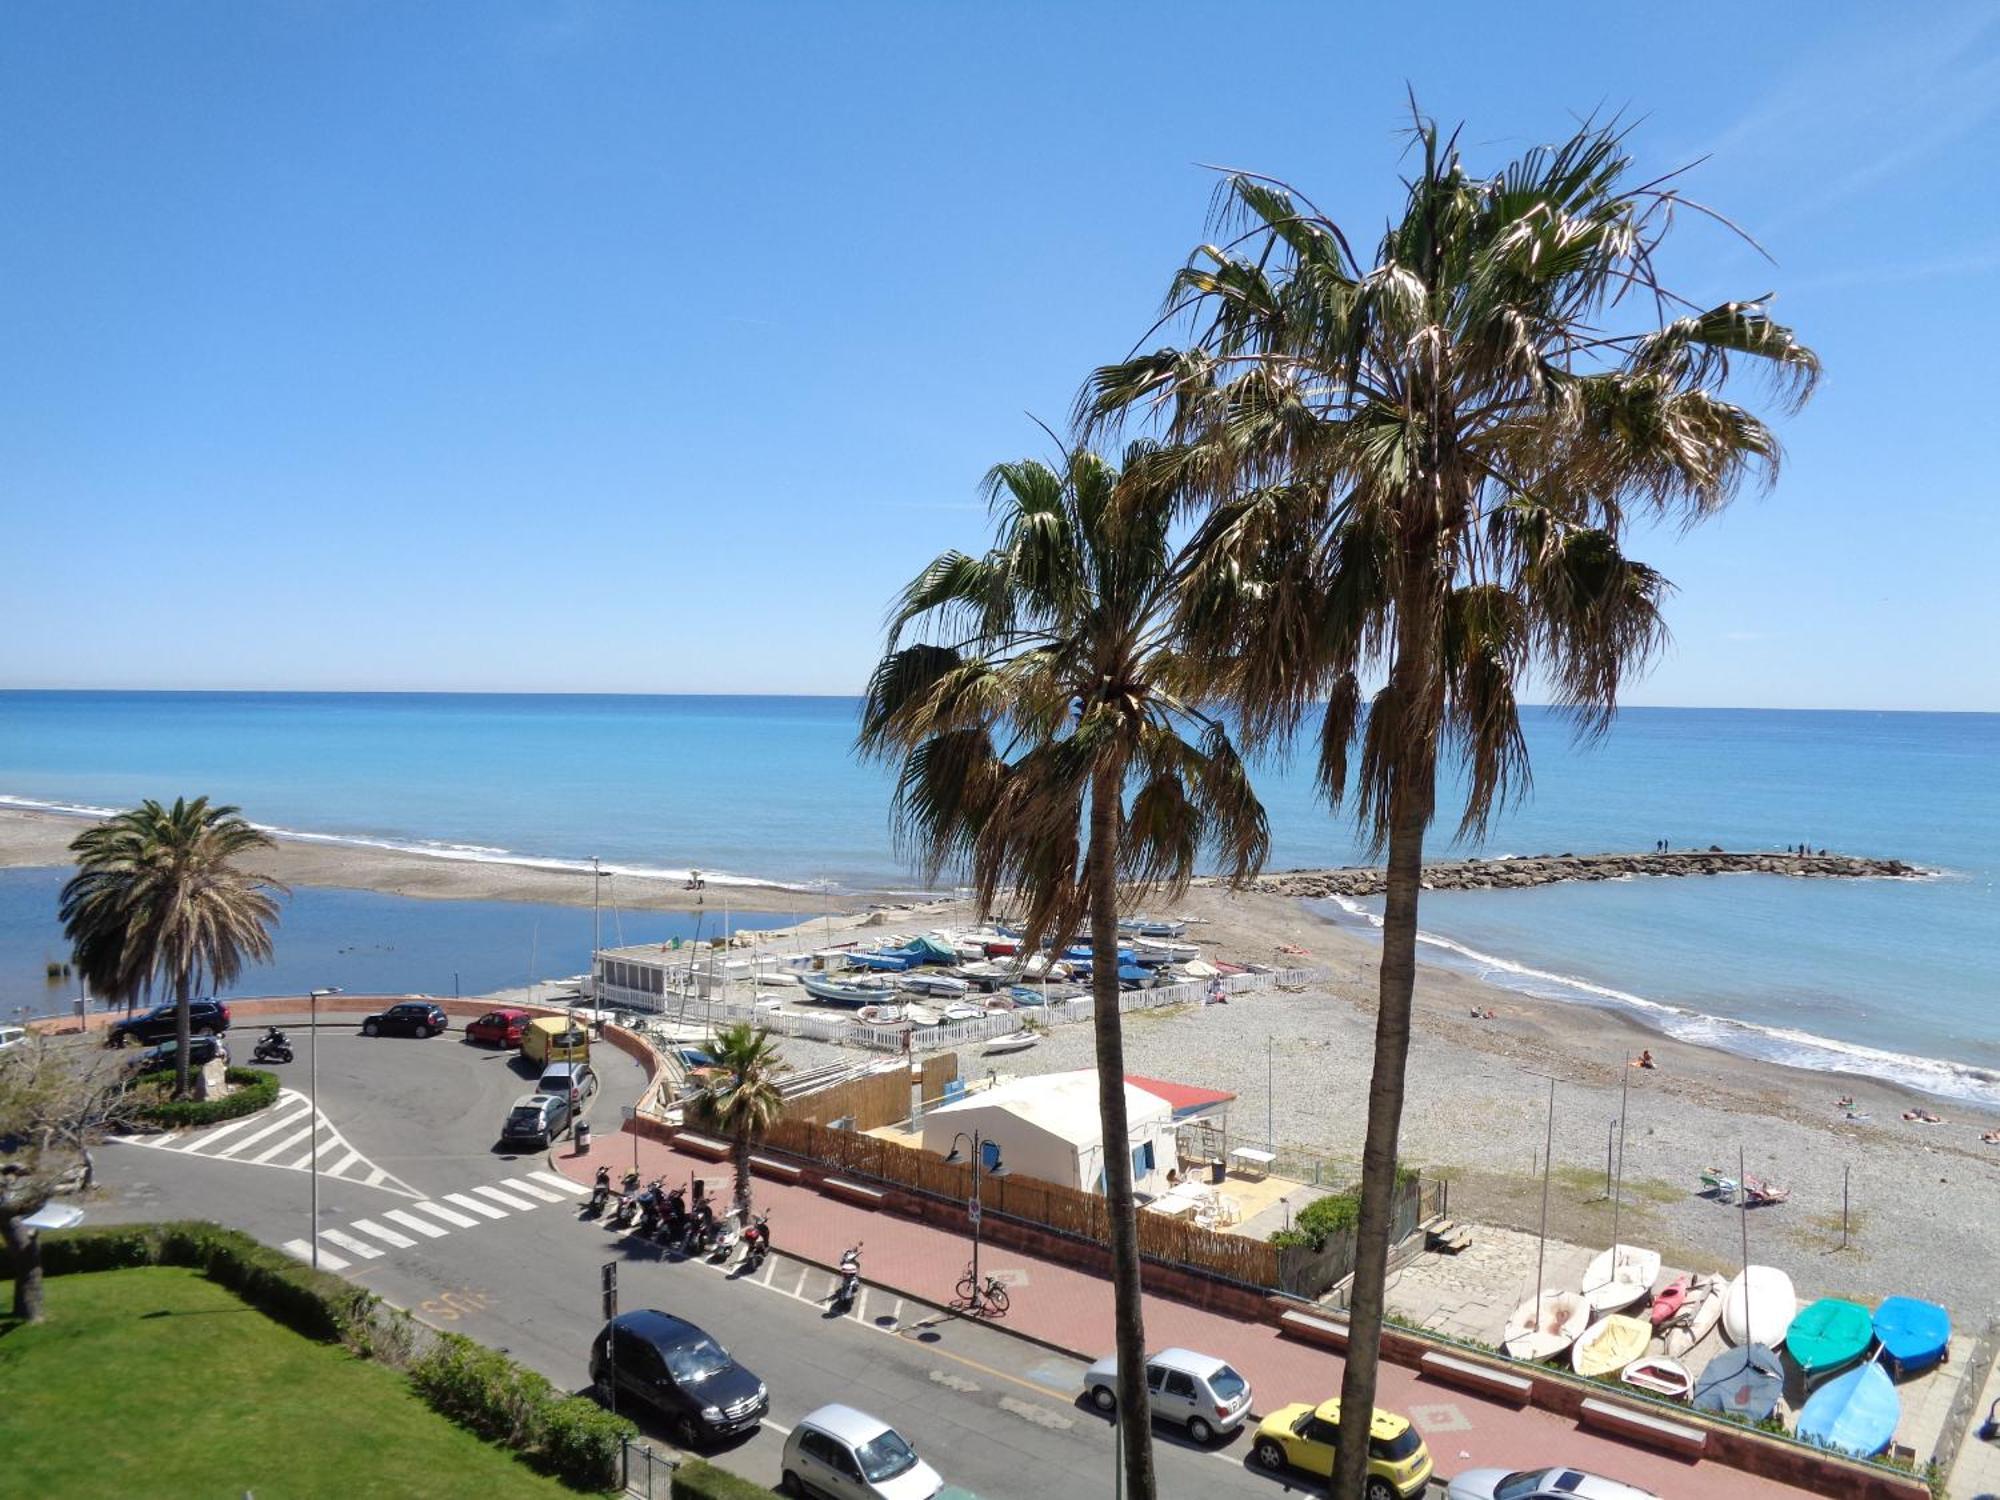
[(1779, 1044)]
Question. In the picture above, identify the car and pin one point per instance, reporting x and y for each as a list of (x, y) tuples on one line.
[(13, 1036), (537, 1119), (575, 1081), (1557, 1483), (668, 1367), (158, 1024), (501, 1027), (1199, 1391), (417, 1018), (1304, 1437), (203, 1048), (844, 1454)]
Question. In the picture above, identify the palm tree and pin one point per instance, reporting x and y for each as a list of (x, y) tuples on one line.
[(1045, 686), (1417, 476), (742, 1096), (158, 900)]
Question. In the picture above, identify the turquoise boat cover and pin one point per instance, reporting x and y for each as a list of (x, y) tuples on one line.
[(1856, 1412), (1829, 1335)]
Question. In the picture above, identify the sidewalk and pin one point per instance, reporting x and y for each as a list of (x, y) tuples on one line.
[(1069, 1309)]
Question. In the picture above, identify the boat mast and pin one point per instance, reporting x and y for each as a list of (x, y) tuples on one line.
[(1618, 1194), (1542, 1249), (1743, 1218), (596, 933)]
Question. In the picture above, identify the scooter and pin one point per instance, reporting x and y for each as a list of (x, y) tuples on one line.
[(850, 1280), (674, 1224), (702, 1230), (649, 1209), (273, 1047), (722, 1240), (601, 1193), (756, 1242)]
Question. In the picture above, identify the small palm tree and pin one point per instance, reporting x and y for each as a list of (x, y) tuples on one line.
[(742, 1096), (1048, 687), (159, 901), (1415, 476)]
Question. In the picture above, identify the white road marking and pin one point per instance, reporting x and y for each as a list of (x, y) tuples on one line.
[(289, 1118), (798, 1288), (217, 1132), (328, 1261), (422, 1226), (344, 1163), (386, 1236), (463, 1201), (288, 1143), (531, 1190), (348, 1242), (449, 1215), (523, 1204), (573, 1189)]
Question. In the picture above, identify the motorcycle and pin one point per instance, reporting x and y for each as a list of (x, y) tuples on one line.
[(850, 1280), (756, 1242), (702, 1230), (601, 1193), (628, 1210), (674, 1224), (723, 1239), (273, 1047), (649, 1209)]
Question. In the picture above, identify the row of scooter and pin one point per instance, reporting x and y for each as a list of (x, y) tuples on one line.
[(663, 1215)]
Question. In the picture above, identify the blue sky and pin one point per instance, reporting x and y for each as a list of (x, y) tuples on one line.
[(648, 348)]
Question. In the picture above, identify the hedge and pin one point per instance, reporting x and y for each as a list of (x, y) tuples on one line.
[(570, 1437), (695, 1480), (255, 1090)]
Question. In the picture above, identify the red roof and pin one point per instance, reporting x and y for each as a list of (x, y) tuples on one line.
[(1185, 1098)]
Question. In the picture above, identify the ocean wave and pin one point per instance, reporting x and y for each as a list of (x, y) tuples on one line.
[(1779, 1044), (481, 854)]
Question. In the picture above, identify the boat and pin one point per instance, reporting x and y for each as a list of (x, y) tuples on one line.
[(934, 986), (996, 1004), (1914, 1334), (920, 1015), (1018, 1041), (1698, 1316), (1661, 1376), (880, 1015), (1002, 947), (1152, 927), (1854, 1413), (1620, 1276), (1153, 952), (1743, 1383), (1609, 1345), (1668, 1301), (1827, 1336), (963, 1010), (1544, 1327), (883, 960), (1759, 1307), (864, 991)]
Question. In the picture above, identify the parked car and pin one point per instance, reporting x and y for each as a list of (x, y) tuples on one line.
[(674, 1370), (1199, 1391), (157, 1024), (548, 1039), (575, 1081), (203, 1049), (845, 1454), (411, 1018), (502, 1027), (536, 1120), (13, 1036), (1541, 1484), (1304, 1437)]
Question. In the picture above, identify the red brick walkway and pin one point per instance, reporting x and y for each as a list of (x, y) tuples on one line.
[(1071, 1309)]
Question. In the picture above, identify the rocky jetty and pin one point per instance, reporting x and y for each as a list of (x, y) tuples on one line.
[(1519, 871)]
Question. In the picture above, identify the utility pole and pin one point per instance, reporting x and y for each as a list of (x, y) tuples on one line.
[(312, 1236)]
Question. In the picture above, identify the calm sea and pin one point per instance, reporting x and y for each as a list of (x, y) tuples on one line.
[(1887, 977)]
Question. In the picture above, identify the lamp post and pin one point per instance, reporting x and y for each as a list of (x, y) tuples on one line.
[(978, 1143), (312, 1230)]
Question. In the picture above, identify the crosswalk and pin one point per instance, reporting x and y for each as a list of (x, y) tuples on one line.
[(426, 1219), (288, 1135)]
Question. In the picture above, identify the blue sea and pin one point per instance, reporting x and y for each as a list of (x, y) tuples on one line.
[(1894, 978)]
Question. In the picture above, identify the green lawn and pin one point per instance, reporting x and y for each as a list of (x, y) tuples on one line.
[(156, 1381)]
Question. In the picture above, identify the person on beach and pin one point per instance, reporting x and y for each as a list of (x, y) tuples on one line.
[(1645, 1059)]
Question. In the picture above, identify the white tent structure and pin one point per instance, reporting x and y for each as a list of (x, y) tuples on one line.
[(1046, 1128)]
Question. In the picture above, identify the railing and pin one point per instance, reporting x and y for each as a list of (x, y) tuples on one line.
[(646, 1472)]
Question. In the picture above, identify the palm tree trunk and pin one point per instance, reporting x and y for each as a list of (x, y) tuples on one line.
[(182, 984), (1135, 1421), (740, 1157), (24, 1251)]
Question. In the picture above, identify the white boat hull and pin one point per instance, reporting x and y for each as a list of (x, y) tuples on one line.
[(1619, 1277), (1536, 1334), (1771, 1306)]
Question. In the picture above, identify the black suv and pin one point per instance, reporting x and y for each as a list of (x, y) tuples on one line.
[(411, 1018), (157, 1024), (667, 1366), (203, 1049)]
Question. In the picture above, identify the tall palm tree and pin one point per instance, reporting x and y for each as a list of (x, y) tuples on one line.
[(742, 1096), (1416, 476), (1045, 686), (158, 900)]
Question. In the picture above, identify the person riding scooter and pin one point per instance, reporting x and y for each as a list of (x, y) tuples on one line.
[(273, 1046)]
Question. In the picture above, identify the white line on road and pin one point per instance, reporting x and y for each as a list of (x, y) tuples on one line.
[(290, 1142), (799, 1288), (531, 1190), (348, 1242), (574, 1189), (464, 1201), (327, 1259), (215, 1133), (411, 1221), (450, 1216), (523, 1204), (290, 1117), (386, 1236), (344, 1163)]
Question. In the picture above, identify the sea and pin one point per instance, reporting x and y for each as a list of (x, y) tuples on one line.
[(763, 795)]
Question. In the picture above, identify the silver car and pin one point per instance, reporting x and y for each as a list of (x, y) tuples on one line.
[(1558, 1483), (846, 1454), (1199, 1391)]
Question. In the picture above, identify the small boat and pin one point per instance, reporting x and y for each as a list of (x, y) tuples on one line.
[(1019, 1041), (1771, 1306), (880, 1015), (1744, 1383), (1698, 1316), (1154, 953), (1609, 1345), (920, 1015), (1620, 1276), (997, 1004), (934, 986), (1914, 1334), (1855, 1413), (1668, 1300), (1543, 1331), (1152, 927), (882, 960), (1660, 1375), (1828, 1336), (1003, 947), (864, 991)]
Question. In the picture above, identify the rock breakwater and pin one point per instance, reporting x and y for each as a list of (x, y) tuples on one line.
[(1521, 871)]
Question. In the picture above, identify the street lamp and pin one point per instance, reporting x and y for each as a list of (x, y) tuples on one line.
[(978, 1143), (312, 1232)]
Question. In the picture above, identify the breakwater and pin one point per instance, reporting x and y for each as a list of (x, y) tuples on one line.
[(1520, 871)]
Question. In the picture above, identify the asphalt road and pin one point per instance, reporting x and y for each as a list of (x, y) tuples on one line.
[(995, 1414)]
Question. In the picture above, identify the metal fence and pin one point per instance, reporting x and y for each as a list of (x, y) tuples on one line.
[(646, 1472)]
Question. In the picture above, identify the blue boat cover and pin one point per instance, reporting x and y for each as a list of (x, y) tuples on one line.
[(1856, 1412), (1913, 1333), (1742, 1382)]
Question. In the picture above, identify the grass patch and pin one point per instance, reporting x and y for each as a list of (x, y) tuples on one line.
[(156, 1381), (1657, 1190)]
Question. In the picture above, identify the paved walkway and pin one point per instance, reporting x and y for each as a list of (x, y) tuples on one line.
[(1071, 1309)]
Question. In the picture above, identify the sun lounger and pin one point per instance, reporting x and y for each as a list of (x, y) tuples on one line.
[(1722, 1189)]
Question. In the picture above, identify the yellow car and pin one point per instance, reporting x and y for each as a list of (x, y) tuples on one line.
[(1303, 1437)]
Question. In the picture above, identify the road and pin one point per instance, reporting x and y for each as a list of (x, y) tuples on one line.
[(495, 1251)]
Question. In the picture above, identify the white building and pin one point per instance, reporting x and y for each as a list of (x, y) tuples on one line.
[(1047, 1128)]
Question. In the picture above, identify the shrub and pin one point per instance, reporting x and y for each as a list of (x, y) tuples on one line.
[(482, 1389), (695, 1480), (582, 1443), (255, 1090)]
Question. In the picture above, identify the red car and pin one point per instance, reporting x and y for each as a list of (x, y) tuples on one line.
[(500, 1027)]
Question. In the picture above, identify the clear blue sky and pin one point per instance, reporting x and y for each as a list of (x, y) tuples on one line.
[(650, 348)]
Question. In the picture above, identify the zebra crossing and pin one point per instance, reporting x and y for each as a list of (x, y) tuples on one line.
[(426, 1219), (287, 1136)]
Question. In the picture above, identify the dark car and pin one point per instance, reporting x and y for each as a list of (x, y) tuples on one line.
[(668, 1367), (203, 1049), (411, 1018), (536, 1120), (157, 1024), (500, 1027)]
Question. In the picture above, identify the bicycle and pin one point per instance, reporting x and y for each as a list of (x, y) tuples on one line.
[(979, 1300)]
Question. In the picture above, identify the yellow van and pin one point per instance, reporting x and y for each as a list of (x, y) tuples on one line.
[(548, 1039)]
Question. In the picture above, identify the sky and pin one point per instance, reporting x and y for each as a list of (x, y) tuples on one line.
[(651, 348)]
